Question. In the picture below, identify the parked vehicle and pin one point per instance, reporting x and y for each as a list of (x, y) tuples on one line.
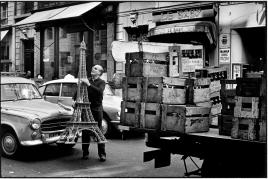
[(62, 90), (26, 118)]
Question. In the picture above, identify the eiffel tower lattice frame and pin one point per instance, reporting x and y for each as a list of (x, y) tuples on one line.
[(82, 117)]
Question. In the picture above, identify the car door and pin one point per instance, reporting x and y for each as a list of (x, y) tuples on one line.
[(52, 92), (67, 92)]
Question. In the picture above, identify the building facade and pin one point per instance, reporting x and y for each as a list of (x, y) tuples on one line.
[(221, 27), (44, 37), (47, 40)]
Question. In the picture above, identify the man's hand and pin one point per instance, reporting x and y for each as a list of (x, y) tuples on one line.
[(85, 81)]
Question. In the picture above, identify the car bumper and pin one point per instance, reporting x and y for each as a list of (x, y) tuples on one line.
[(40, 141)]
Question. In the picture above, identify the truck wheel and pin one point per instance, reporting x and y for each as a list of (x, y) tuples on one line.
[(9, 143)]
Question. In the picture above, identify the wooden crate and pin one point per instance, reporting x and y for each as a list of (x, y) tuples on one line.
[(216, 109), (164, 90), (248, 87), (225, 124), (197, 119), (245, 128), (228, 88), (214, 121), (132, 89), (151, 65), (217, 73), (173, 118), (150, 116), (228, 105), (201, 90), (215, 97), (184, 119), (201, 73), (228, 93), (246, 107), (175, 70), (263, 130), (130, 114), (215, 86)]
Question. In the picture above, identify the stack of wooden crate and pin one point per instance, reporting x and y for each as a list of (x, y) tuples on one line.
[(154, 100), (215, 74), (249, 122), (228, 93)]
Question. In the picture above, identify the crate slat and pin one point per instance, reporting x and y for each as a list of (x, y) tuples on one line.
[(130, 113)]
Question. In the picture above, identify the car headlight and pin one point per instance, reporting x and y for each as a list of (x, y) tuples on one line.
[(35, 123)]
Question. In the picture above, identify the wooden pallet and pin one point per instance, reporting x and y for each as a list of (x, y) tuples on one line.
[(246, 107), (225, 124), (245, 128), (130, 114), (151, 65), (184, 119)]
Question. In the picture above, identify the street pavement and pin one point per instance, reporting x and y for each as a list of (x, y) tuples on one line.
[(124, 159)]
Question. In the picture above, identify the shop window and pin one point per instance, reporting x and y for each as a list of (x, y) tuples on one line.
[(49, 33), (4, 13), (4, 49), (27, 7), (63, 33)]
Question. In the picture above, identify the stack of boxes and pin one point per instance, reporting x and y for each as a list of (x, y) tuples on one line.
[(228, 93), (215, 75), (249, 122), (154, 99)]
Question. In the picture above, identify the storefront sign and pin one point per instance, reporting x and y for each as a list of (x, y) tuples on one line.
[(183, 14), (224, 41), (190, 65), (224, 55)]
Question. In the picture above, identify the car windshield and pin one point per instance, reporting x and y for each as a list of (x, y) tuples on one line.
[(19, 92)]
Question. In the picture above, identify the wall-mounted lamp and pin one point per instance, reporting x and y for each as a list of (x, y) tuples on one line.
[(24, 32)]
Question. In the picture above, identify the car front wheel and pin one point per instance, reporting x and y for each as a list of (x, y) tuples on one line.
[(9, 143)]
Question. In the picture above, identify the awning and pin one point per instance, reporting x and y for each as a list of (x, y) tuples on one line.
[(185, 27), (60, 13), (3, 34)]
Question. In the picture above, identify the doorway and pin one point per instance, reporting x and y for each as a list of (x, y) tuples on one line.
[(29, 56)]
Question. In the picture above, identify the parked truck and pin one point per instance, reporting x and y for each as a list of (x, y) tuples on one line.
[(191, 110)]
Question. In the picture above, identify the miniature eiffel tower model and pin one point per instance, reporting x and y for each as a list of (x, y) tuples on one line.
[(82, 117)]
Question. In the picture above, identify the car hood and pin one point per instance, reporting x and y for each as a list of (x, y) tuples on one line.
[(112, 102), (37, 108)]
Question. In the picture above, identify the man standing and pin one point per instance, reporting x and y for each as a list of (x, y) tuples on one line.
[(95, 95)]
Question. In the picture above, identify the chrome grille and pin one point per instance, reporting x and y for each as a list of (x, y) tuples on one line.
[(54, 124)]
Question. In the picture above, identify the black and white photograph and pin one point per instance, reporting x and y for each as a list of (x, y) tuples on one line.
[(133, 89)]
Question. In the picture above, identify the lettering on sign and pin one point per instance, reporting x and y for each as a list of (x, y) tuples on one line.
[(190, 65), (225, 55)]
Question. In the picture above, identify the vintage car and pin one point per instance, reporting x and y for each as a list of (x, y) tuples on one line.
[(63, 90), (26, 118)]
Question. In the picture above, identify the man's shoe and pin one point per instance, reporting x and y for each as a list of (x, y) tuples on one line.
[(102, 158)]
